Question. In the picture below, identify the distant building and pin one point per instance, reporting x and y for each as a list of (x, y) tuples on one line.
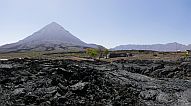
[(114, 55), (188, 52), (3, 59)]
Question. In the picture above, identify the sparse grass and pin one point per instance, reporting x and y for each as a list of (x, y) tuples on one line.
[(142, 55)]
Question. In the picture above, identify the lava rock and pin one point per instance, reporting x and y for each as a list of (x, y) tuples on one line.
[(67, 82)]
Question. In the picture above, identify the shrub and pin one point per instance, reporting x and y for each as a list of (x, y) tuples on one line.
[(92, 52)]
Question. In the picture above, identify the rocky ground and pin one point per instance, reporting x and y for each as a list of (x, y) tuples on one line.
[(68, 82)]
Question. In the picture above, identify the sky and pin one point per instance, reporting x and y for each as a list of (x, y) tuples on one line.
[(106, 22)]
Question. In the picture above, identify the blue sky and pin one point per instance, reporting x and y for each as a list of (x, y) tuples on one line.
[(106, 22)]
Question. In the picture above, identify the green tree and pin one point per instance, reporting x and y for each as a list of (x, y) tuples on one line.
[(106, 52), (92, 52)]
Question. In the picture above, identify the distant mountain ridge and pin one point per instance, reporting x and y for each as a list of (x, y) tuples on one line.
[(156, 47), (52, 37)]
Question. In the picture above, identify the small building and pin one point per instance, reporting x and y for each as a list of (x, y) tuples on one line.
[(188, 52), (4, 59), (114, 55)]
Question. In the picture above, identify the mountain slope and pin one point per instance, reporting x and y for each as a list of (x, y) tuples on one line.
[(156, 47), (51, 37)]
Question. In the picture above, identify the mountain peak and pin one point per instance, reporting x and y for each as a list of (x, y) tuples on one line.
[(52, 36), (53, 25), (55, 34)]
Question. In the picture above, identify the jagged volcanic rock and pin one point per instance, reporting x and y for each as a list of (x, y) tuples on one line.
[(67, 82)]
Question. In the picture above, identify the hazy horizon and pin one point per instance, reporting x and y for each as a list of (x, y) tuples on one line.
[(109, 23)]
